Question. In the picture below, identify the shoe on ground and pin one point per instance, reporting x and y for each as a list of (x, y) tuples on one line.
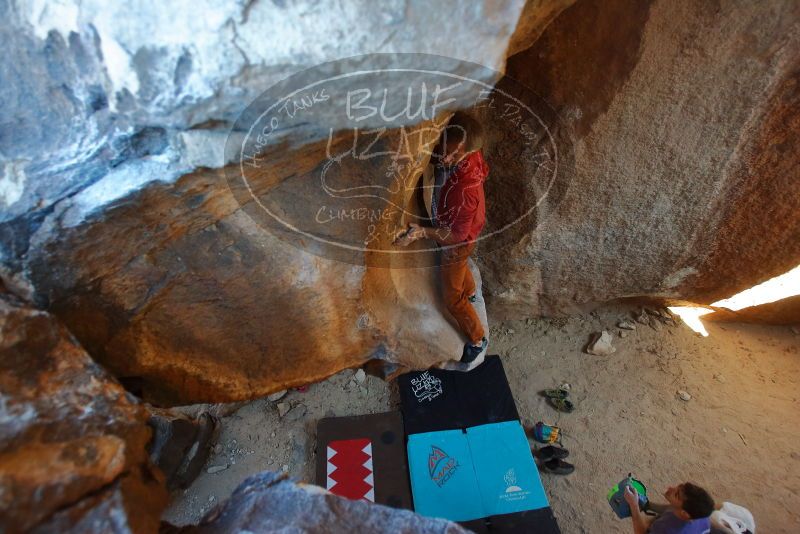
[(473, 352), (557, 466), (551, 451)]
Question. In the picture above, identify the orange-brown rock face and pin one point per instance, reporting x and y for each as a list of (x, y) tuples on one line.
[(681, 119), (72, 440), (183, 293)]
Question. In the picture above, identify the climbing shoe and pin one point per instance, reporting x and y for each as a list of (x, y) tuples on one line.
[(557, 393), (472, 352), (562, 405), (557, 466), (550, 452)]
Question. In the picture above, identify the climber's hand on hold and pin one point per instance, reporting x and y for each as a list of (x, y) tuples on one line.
[(409, 235)]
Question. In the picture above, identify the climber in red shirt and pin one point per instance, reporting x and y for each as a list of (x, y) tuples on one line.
[(458, 213)]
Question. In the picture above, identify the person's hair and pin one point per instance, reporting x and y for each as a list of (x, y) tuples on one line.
[(464, 128), (696, 501)]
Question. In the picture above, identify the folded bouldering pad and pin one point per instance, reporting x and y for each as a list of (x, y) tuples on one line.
[(539, 521), (364, 457), (508, 479), (442, 477), (485, 471), (477, 526), (436, 400)]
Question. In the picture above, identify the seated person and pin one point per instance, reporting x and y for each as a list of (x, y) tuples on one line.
[(687, 512)]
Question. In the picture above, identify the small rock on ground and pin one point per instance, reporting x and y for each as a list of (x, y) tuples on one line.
[(684, 395), (360, 376), (278, 395), (283, 409), (601, 346), (216, 469)]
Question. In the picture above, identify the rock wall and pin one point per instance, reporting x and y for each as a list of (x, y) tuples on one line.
[(129, 230), (90, 87), (74, 453), (72, 440), (681, 119), (674, 123), (186, 298)]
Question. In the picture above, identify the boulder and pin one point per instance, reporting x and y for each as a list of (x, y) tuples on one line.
[(660, 157), (269, 502), (188, 296), (72, 440), (680, 123), (92, 86), (122, 219)]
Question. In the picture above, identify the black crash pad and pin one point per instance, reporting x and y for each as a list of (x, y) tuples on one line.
[(478, 526), (540, 521), (386, 447), (436, 400)]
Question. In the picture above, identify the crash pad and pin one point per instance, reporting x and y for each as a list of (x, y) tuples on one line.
[(508, 479), (436, 400), (442, 476), (540, 521), (485, 471), (364, 457)]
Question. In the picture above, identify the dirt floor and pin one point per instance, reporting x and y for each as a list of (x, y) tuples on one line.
[(738, 435)]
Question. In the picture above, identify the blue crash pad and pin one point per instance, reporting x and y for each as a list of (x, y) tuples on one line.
[(442, 476), (487, 471), (508, 479)]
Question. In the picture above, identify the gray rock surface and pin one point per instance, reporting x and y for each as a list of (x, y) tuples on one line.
[(269, 502), (89, 87), (677, 119)]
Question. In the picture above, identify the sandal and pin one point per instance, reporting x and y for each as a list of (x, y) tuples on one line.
[(550, 452), (558, 467), (557, 393), (562, 405)]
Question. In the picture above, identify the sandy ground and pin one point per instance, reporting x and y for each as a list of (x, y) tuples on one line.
[(738, 435)]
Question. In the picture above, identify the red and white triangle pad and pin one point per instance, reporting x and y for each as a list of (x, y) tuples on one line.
[(350, 469)]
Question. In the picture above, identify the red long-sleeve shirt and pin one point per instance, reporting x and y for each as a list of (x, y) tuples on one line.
[(461, 206)]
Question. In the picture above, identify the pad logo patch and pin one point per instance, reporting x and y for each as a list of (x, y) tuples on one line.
[(511, 481), (441, 466), (350, 472), (513, 492), (426, 387)]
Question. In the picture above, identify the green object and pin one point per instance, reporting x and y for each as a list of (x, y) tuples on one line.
[(616, 496)]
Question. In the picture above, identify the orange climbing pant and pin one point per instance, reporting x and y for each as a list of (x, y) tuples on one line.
[(457, 286)]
